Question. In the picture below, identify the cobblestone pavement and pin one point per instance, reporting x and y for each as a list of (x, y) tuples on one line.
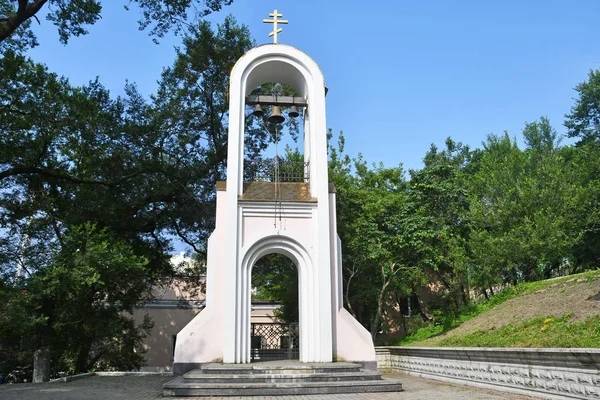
[(149, 387)]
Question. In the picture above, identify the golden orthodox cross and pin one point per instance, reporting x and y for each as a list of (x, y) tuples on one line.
[(275, 21)]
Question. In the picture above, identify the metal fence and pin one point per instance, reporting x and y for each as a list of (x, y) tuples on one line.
[(277, 170), (274, 341)]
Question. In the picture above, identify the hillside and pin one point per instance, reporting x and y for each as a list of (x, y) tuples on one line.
[(556, 313)]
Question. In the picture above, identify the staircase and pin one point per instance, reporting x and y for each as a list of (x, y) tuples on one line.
[(277, 378)]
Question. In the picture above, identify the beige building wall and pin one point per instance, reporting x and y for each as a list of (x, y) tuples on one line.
[(173, 307), (168, 321), (262, 312)]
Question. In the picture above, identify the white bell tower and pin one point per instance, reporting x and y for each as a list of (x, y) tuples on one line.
[(303, 232), (297, 219)]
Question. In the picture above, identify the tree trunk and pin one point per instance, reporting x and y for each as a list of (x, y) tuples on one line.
[(402, 319), (377, 319), (41, 357), (465, 295), (425, 317), (41, 365), (81, 365)]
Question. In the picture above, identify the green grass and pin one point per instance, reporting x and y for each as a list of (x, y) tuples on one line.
[(449, 322), (536, 332)]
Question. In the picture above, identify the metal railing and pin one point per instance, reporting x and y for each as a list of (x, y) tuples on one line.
[(277, 170), (274, 341)]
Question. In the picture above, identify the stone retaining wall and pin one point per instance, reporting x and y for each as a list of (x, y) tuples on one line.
[(545, 373)]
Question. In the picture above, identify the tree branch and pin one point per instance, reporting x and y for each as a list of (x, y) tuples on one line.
[(156, 240), (48, 174), (186, 240), (25, 11), (57, 232)]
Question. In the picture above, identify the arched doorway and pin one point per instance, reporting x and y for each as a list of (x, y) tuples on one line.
[(274, 327), (290, 248)]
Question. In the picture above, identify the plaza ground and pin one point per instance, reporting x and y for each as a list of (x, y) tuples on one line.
[(150, 387)]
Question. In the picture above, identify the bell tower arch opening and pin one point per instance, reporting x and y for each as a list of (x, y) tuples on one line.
[(273, 115), (290, 68), (274, 284), (292, 249)]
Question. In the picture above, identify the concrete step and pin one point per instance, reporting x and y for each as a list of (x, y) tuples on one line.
[(179, 387), (283, 367), (197, 376)]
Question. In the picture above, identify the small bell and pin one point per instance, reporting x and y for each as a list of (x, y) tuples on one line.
[(293, 112), (258, 111), (276, 116)]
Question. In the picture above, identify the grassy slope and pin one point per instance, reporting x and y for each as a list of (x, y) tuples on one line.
[(562, 312)]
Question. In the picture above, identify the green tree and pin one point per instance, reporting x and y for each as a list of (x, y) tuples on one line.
[(73, 156), (76, 307), (378, 230), (68, 156), (192, 98), (586, 215), (439, 194), (275, 278), (554, 194), (72, 17), (191, 111), (583, 121), (494, 192), (524, 205)]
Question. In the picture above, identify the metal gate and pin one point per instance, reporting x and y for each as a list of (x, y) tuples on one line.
[(274, 341)]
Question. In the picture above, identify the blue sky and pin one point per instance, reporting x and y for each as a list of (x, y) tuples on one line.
[(401, 74)]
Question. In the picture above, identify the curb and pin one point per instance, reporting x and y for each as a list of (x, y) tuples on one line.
[(133, 373), (73, 377), (109, 373)]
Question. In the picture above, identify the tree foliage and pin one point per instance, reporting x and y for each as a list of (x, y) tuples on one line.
[(583, 121), (275, 278), (77, 306), (92, 190), (72, 17), (469, 222), (379, 233), (94, 187), (70, 157)]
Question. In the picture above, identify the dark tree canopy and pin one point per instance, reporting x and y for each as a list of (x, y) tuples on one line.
[(92, 190)]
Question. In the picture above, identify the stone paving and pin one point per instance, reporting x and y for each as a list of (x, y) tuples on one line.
[(150, 387)]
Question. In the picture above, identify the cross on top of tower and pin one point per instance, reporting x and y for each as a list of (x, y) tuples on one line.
[(275, 21)]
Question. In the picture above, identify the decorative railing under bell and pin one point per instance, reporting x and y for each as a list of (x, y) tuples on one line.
[(276, 169)]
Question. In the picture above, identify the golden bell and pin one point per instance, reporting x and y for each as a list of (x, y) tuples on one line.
[(293, 112), (258, 111), (276, 117)]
